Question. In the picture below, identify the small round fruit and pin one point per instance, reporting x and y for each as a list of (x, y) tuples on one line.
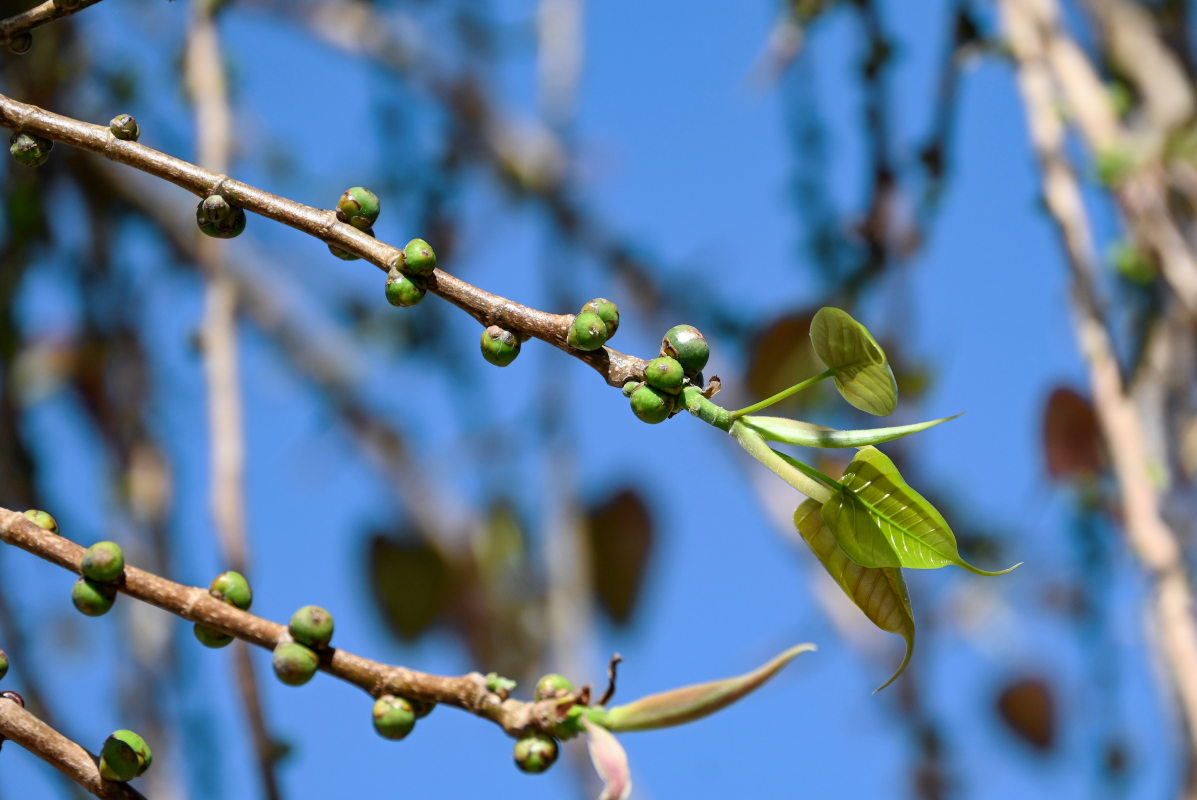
[(215, 209), (535, 753), (313, 626), (103, 562), (587, 331), (124, 127), (344, 255), (231, 587), (42, 519), (608, 312), (125, 755), (553, 685), (91, 598), (687, 345), (403, 291), (500, 346), (651, 405), (3, 664), (231, 227), (422, 708), (665, 373), (210, 637), (294, 663), (359, 207), (418, 257), (21, 43), (394, 717), (32, 151)]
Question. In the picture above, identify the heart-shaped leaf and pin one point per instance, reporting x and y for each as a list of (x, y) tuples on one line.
[(688, 703), (808, 434), (879, 521), (862, 373), (880, 592)]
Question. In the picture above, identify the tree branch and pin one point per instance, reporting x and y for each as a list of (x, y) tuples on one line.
[(24, 729), (489, 309), (47, 11), (467, 692)]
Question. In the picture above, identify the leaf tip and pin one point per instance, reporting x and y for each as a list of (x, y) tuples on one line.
[(988, 573), (901, 667)]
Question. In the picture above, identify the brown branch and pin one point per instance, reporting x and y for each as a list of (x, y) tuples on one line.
[(467, 692), (40, 14), (1152, 540), (21, 727), (489, 309)]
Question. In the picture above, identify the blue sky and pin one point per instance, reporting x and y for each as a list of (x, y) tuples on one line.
[(678, 149)]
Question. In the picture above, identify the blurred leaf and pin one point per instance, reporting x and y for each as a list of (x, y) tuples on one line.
[(610, 761), (879, 592), (879, 521), (782, 353), (412, 583), (620, 534), (862, 373), (807, 434), (1071, 435), (1027, 707), (688, 703)]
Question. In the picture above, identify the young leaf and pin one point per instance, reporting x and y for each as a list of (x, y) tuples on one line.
[(879, 592), (862, 373), (808, 434), (879, 521), (688, 703), (610, 761)]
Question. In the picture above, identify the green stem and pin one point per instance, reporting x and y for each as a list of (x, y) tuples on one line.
[(822, 477), (777, 398), (704, 409), (792, 474)]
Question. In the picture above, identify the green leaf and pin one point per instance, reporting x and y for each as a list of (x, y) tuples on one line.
[(862, 373), (688, 703), (879, 521), (880, 592), (808, 434)]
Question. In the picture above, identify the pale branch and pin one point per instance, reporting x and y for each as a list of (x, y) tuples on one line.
[(48, 11), (489, 309), (22, 728), (1155, 544), (204, 72), (467, 692)]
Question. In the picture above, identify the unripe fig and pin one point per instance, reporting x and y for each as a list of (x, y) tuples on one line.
[(608, 312), (42, 519), (665, 373), (687, 345), (418, 257), (30, 150), (553, 685), (394, 717), (124, 127), (103, 562), (233, 226), (359, 207), (403, 291), (587, 331), (294, 663), (125, 755), (210, 637), (535, 753), (651, 405), (231, 587), (499, 346), (91, 598), (3, 664), (313, 626)]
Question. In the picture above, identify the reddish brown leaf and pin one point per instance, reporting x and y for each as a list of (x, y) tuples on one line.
[(1071, 436), (1027, 707), (620, 534)]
